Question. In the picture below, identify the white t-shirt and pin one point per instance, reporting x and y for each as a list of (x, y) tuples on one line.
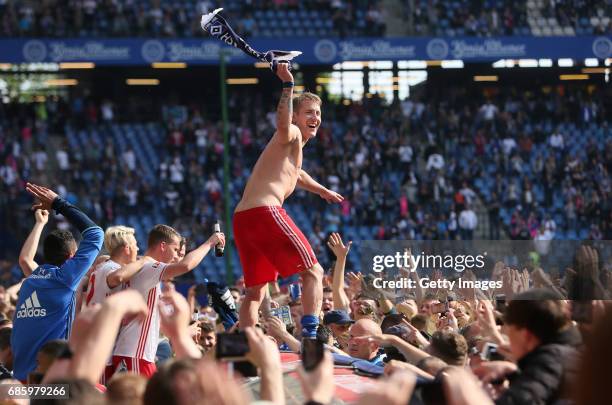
[(62, 159), (40, 159), (333, 181), (360, 158), (201, 134), (468, 194), (130, 159), (132, 197), (407, 106), (550, 225), (488, 111), (97, 288), (107, 111), (556, 141), (452, 221), (405, 153), (468, 220), (8, 175), (508, 145), (435, 161), (176, 171), (139, 339), (212, 186)]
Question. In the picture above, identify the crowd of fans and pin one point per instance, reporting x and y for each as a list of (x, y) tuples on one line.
[(536, 339), (535, 174), (494, 18), (576, 13), (159, 18), (472, 18)]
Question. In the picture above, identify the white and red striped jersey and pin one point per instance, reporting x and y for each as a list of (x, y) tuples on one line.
[(139, 339), (98, 289)]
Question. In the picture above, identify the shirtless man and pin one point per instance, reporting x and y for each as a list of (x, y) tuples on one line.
[(268, 241)]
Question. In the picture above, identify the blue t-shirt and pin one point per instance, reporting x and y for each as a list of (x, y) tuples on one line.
[(46, 304)]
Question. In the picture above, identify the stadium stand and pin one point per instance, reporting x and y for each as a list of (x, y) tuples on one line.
[(324, 18), (542, 166), (170, 19)]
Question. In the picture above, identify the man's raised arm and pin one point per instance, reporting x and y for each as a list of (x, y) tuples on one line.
[(335, 243), (284, 111), (193, 258), (28, 251), (75, 268)]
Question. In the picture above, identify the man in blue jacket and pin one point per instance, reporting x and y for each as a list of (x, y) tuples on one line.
[(46, 305)]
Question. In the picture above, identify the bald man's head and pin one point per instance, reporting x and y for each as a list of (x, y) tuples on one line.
[(360, 349)]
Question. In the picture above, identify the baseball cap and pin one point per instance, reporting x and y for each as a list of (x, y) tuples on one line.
[(338, 317)]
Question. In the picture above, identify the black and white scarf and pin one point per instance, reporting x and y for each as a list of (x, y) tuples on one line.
[(218, 27)]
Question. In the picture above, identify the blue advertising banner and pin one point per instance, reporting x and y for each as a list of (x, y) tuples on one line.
[(136, 51)]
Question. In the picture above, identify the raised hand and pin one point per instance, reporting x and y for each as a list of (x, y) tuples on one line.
[(448, 321), (41, 216), (195, 331), (485, 316), (511, 282), (44, 196), (524, 280), (588, 262), (468, 293), (82, 324), (405, 271), (540, 278), (283, 72), (337, 246), (174, 314)]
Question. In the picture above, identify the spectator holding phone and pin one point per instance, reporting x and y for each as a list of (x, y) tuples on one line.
[(535, 322)]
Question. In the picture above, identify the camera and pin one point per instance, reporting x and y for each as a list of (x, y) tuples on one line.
[(231, 346)]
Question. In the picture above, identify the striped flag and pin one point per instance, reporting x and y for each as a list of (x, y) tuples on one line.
[(218, 27)]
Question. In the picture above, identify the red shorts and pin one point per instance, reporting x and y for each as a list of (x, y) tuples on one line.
[(129, 364), (269, 244)]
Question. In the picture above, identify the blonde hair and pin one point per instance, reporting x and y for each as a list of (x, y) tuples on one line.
[(306, 96), (117, 236)]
